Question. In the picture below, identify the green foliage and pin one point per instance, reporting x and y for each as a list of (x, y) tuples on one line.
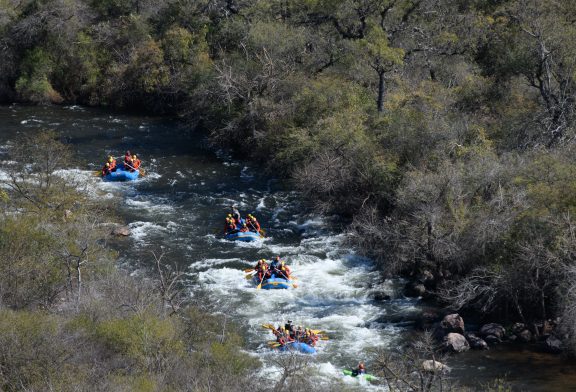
[(33, 84)]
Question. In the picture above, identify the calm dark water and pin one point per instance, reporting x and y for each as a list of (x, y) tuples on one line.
[(178, 208)]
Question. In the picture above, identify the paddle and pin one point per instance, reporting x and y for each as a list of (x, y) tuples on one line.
[(260, 284), (247, 270), (269, 326), (262, 233), (141, 171)]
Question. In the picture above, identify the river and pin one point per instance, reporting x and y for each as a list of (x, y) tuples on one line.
[(178, 208)]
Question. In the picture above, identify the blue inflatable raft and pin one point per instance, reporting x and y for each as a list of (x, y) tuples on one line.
[(247, 236), (274, 283), (121, 175), (298, 346)]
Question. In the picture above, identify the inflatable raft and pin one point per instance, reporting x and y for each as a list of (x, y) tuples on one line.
[(274, 283), (247, 236), (121, 175), (365, 376), (298, 346)]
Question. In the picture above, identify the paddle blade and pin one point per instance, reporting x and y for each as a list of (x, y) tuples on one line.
[(294, 285), (249, 270), (268, 326), (97, 173), (259, 286)]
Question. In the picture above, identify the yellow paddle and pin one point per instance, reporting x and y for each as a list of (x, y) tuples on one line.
[(260, 284)]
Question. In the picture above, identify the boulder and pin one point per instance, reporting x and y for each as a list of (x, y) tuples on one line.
[(456, 343), (453, 323), (524, 336), (434, 366), (492, 329), (476, 343), (492, 339), (121, 231), (554, 345), (414, 289), (518, 327)]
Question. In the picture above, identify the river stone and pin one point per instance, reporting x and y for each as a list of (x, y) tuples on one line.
[(476, 343), (456, 343), (518, 327), (121, 231), (492, 329), (434, 366), (554, 345), (524, 336), (492, 339), (453, 323)]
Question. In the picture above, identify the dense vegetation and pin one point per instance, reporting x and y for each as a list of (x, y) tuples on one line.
[(71, 321), (443, 129)]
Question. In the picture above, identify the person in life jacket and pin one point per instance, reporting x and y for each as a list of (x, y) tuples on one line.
[(106, 169), (275, 266), (127, 160), (284, 270), (252, 223), (359, 370), (135, 163), (230, 225), (288, 326), (262, 269), (244, 228), (112, 163), (311, 337), (236, 214)]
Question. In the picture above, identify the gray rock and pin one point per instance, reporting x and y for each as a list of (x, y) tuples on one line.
[(434, 366), (525, 336), (453, 323), (492, 339), (455, 342), (476, 343), (554, 345), (492, 329), (518, 327), (121, 231)]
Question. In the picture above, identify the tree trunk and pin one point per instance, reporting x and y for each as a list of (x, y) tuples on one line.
[(380, 92)]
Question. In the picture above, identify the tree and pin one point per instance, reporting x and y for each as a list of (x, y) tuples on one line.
[(381, 58)]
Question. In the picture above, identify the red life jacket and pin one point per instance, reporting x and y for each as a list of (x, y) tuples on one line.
[(136, 163)]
